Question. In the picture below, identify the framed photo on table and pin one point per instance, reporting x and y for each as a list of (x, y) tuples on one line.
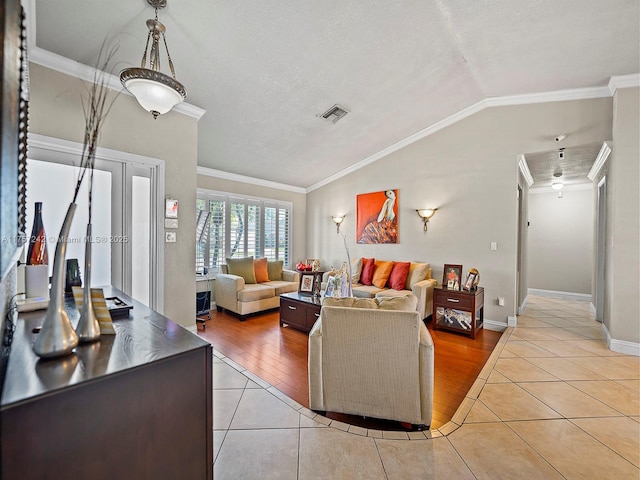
[(307, 283), (468, 285), (451, 277)]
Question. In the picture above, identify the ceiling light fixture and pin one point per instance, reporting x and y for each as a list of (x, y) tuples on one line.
[(557, 183), (156, 92)]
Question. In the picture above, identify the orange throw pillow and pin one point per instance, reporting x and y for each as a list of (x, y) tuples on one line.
[(368, 265), (399, 273), (381, 273), (261, 270)]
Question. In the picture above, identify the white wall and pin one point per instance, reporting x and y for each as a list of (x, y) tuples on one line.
[(56, 111), (469, 172), (561, 240)]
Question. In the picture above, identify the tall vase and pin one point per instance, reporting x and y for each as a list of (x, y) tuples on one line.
[(88, 328), (57, 337)]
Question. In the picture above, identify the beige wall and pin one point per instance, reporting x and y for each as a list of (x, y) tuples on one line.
[(299, 201), (56, 111), (561, 240), (469, 171), (622, 312)]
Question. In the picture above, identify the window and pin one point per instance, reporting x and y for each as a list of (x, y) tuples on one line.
[(240, 227)]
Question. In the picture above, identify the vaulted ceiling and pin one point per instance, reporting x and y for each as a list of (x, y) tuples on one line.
[(264, 71)]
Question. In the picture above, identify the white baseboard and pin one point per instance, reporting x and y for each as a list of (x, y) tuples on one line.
[(620, 346), (558, 294), (495, 325), (523, 307), (593, 309)]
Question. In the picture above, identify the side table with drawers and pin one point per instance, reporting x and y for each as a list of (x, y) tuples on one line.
[(458, 310), (299, 311)]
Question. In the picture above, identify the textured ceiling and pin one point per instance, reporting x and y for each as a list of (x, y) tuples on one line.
[(573, 168), (263, 71)]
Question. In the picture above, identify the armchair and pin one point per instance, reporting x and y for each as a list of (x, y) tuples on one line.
[(371, 362)]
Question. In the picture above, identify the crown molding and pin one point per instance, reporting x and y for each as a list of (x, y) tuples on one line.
[(552, 96), (623, 81), (456, 117), (68, 147), (524, 169), (84, 72), (211, 172), (603, 154), (510, 100)]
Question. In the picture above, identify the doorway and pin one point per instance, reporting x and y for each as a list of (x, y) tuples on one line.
[(600, 249), (127, 192)]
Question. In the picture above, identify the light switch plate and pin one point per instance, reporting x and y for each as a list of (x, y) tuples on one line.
[(170, 223), (171, 237), (494, 246)]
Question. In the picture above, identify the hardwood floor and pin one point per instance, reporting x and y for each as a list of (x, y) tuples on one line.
[(278, 355)]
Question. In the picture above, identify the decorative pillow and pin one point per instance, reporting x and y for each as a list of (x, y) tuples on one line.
[(406, 303), (274, 269), (417, 273), (381, 273), (260, 269), (243, 267), (356, 270), (368, 264), (398, 278)]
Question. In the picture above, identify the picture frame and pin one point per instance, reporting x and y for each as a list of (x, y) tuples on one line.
[(377, 217), (171, 208), (451, 276), (470, 283), (307, 283)]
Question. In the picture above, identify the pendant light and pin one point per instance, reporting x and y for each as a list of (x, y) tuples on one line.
[(156, 92)]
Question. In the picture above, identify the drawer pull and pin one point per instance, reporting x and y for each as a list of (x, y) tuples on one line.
[(291, 308), (453, 300), (317, 314)]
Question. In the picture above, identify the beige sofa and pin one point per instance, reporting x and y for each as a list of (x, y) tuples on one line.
[(371, 361), (419, 283), (235, 294)]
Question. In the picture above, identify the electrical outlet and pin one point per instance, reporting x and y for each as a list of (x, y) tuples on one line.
[(171, 237)]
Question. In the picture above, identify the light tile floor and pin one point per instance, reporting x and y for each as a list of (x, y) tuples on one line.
[(552, 402)]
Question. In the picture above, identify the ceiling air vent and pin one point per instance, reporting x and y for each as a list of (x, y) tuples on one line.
[(334, 114)]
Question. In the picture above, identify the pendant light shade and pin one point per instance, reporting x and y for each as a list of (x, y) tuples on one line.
[(156, 92)]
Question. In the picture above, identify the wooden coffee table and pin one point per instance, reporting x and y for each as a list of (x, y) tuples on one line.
[(299, 311)]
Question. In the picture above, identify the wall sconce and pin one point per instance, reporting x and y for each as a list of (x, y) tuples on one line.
[(337, 219), (425, 214)]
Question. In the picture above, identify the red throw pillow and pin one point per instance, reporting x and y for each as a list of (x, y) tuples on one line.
[(399, 273), (368, 265)]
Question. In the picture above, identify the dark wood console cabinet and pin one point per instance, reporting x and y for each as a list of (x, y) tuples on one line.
[(299, 311), (458, 310), (137, 404)]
